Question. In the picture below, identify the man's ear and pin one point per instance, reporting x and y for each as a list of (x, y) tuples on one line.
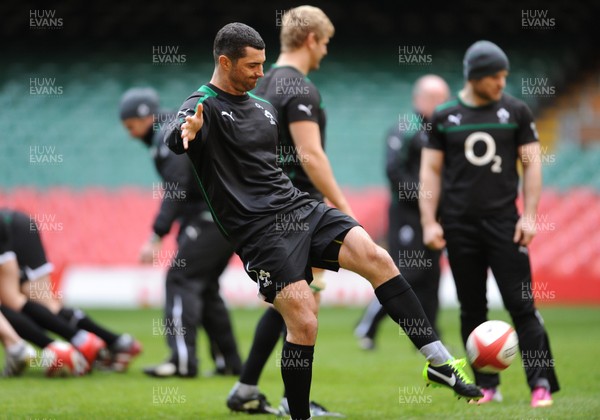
[(311, 40), (225, 62)]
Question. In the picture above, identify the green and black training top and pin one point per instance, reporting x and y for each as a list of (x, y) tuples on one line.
[(480, 146), (236, 162)]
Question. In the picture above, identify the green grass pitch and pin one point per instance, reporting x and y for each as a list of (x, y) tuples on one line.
[(382, 384)]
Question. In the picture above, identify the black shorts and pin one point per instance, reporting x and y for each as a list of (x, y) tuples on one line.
[(285, 251), (24, 240)]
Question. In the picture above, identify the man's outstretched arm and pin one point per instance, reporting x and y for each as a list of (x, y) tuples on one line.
[(185, 127)]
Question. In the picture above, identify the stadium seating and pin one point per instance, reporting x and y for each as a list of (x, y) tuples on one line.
[(99, 226), (99, 188), (80, 126)]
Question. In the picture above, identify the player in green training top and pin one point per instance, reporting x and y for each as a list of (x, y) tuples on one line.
[(469, 173), (279, 232), (301, 155)]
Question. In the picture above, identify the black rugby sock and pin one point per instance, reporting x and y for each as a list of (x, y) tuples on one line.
[(26, 328), (79, 319), (266, 335), (46, 319), (296, 371), (403, 306)]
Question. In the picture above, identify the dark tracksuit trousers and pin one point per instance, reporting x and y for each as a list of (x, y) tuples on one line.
[(476, 243), (192, 295)]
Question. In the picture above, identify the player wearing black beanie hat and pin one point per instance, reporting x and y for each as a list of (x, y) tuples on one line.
[(484, 58), (138, 103), (470, 169)]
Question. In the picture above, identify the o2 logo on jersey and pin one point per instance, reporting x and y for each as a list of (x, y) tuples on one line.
[(490, 151)]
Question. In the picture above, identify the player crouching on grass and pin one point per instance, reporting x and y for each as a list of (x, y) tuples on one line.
[(231, 135), (34, 296)]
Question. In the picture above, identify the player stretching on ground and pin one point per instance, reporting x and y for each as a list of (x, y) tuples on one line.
[(24, 242), (474, 146), (302, 157), (403, 160), (192, 286), (36, 285), (18, 353), (231, 137)]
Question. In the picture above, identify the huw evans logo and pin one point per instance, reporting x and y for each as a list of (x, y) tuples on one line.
[(44, 86), (413, 55), (537, 87), (167, 55), (44, 19), (537, 19)]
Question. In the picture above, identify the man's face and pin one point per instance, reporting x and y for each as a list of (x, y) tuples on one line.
[(245, 72), (138, 127), (318, 50), (490, 88)]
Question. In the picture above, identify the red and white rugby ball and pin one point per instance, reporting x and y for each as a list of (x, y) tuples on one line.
[(492, 346)]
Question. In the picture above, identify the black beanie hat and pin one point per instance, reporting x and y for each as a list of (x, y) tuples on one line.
[(138, 102), (484, 58)]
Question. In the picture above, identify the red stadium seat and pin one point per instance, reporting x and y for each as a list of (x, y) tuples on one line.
[(101, 226)]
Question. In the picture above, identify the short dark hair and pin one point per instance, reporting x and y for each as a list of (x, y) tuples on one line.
[(232, 40)]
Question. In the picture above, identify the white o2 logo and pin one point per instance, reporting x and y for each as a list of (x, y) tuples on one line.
[(490, 151)]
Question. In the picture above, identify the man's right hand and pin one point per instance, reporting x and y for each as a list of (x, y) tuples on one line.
[(433, 236), (150, 251), (191, 126)]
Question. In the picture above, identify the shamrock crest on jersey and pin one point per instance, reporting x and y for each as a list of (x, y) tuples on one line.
[(264, 277), (270, 117), (503, 115)]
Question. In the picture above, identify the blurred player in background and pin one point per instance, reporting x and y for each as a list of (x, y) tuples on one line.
[(17, 352), (54, 353), (231, 136), (192, 285), (23, 240), (36, 286), (418, 264), (302, 157), (469, 173)]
